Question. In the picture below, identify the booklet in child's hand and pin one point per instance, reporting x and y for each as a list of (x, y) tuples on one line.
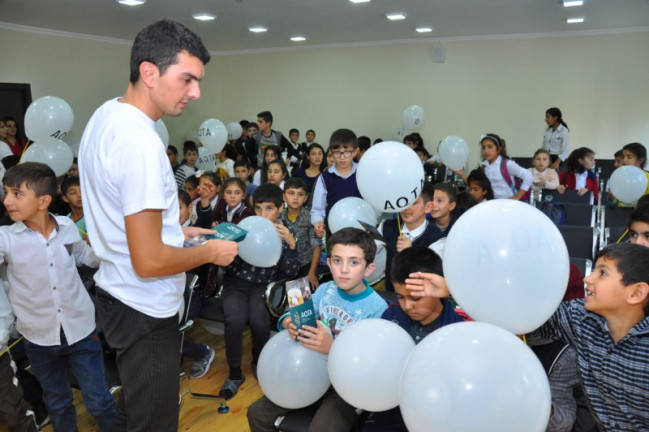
[(224, 231), (299, 300)]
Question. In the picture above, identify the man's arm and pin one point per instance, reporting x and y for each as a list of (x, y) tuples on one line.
[(152, 258)]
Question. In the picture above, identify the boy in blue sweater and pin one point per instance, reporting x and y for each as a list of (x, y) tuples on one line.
[(339, 303), (416, 313)]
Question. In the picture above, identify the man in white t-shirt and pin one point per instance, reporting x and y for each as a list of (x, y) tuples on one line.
[(131, 210)]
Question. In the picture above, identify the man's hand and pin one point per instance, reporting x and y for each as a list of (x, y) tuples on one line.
[(318, 339), (221, 252), (427, 284), (196, 231), (319, 229)]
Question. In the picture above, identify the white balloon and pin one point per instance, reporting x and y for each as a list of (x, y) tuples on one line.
[(390, 176), (413, 117), (506, 263), (206, 161), (262, 246), (628, 183), (348, 211), (161, 128), (234, 130), (380, 262), (48, 117), (454, 152), (53, 152), (365, 363), (213, 135), (291, 375), (474, 377)]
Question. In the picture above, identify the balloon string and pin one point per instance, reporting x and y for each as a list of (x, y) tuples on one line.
[(622, 236), (524, 339), (399, 224), (11, 346)]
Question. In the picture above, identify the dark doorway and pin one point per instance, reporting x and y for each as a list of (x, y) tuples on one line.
[(14, 100)]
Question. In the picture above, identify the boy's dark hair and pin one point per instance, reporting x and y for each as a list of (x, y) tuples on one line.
[(214, 177), (643, 202), (230, 152), (295, 183), (266, 116), (343, 138), (427, 192), (268, 192), (184, 197), (293, 130), (354, 237), (638, 150), (311, 130), (242, 163), (193, 180), (573, 160), (68, 182), (252, 124), (411, 138), (243, 124), (34, 175), (172, 149), (189, 146), (618, 154), (631, 261), (414, 259), (448, 188), (161, 42), (640, 214), (479, 177), (364, 143)]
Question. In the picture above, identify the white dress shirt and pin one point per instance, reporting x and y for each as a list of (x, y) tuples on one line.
[(319, 201), (501, 188), (557, 141), (46, 292)]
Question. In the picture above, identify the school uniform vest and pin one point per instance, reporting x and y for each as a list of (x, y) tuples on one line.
[(391, 233), (339, 188)]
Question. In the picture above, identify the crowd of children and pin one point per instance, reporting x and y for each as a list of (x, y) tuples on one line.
[(294, 185)]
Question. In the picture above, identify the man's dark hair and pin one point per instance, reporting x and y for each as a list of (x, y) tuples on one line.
[(161, 42), (354, 237), (189, 146), (295, 183), (343, 138), (631, 261), (68, 183), (34, 175), (266, 116), (268, 192), (414, 259)]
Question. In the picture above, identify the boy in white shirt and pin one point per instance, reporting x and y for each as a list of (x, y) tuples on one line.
[(53, 309)]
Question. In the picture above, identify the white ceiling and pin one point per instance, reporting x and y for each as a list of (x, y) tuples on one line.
[(325, 22)]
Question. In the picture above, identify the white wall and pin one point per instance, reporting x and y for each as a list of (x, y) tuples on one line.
[(502, 86)]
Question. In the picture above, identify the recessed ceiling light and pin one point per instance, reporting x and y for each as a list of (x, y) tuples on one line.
[(131, 2), (575, 20), (395, 16), (424, 29), (298, 38), (359, 1), (571, 3), (258, 29), (204, 17)]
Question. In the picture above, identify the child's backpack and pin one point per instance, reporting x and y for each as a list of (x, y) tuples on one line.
[(555, 211), (514, 184)]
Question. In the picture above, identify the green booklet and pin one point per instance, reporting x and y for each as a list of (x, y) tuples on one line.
[(224, 231), (299, 301)]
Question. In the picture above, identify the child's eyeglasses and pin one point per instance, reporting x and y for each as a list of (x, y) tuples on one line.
[(339, 154)]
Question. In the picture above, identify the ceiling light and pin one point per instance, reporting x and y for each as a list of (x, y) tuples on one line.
[(424, 29), (359, 1), (395, 16), (204, 17), (575, 20), (258, 29), (298, 38), (571, 3), (131, 2)]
